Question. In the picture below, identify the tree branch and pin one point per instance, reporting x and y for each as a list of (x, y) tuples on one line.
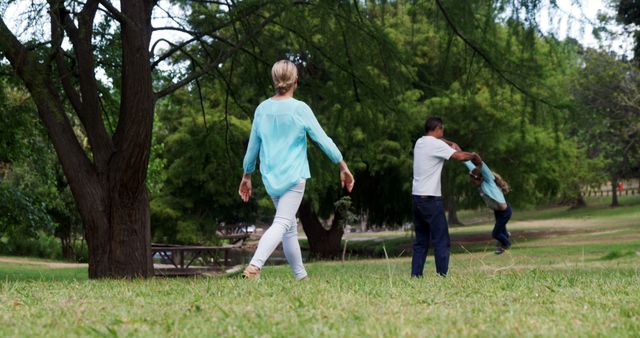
[(12, 49), (232, 93), (197, 36), (132, 138), (172, 88), (349, 62), (121, 18), (58, 54), (175, 48), (30, 70), (341, 67), (90, 114), (177, 29), (489, 62), (220, 3)]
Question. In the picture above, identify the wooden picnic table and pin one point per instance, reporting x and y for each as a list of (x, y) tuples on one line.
[(181, 257)]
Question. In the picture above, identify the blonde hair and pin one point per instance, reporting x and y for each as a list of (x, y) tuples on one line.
[(284, 74)]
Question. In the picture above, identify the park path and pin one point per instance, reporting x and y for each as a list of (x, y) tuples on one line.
[(53, 265), (57, 265)]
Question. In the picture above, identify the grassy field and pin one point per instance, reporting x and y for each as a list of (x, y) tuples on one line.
[(568, 274)]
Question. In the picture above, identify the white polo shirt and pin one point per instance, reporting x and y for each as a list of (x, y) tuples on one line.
[(429, 155)]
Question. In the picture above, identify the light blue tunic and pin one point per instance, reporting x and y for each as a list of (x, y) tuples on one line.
[(279, 135), (489, 190)]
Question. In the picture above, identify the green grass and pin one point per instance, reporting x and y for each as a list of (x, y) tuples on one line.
[(583, 281), (22, 272), (528, 226), (596, 205)]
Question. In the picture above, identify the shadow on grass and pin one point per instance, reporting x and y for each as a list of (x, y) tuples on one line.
[(402, 247), (617, 254)]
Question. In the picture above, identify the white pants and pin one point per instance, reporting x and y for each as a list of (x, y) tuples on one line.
[(285, 229)]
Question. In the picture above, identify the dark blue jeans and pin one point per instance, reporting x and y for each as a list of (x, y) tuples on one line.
[(430, 223), (500, 229)]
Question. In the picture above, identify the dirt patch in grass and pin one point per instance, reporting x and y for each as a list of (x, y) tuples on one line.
[(516, 234), (618, 239)]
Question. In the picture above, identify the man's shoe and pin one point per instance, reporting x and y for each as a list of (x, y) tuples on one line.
[(499, 250), (251, 272)]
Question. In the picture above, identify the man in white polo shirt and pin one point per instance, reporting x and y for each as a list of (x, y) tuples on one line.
[(429, 154)]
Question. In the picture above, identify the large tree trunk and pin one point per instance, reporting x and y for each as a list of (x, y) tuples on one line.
[(452, 211), (614, 192), (323, 243), (119, 239), (108, 179), (449, 197), (579, 202), (129, 204), (63, 232)]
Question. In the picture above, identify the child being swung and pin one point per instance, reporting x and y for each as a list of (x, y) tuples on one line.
[(492, 189)]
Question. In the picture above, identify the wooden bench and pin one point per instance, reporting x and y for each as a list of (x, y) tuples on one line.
[(181, 258)]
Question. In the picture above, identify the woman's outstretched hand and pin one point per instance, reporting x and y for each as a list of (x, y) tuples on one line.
[(346, 178), (245, 188)]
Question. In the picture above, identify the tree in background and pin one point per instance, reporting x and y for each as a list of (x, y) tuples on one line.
[(607, 118), (107, 178), (501, 88), (35, 199), (629, 15), (200, 155)]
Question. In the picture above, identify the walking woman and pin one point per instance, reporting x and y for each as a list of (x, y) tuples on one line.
[(492, 189), (279, 135)]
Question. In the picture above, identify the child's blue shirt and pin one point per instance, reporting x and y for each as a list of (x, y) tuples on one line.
[(489, 190)]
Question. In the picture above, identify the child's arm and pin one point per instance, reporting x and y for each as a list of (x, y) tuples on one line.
[(486, 173), (469, 165)]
